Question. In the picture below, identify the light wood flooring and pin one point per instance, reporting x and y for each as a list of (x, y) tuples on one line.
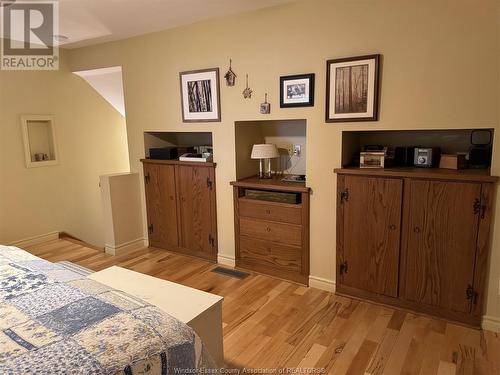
[(270, 323)]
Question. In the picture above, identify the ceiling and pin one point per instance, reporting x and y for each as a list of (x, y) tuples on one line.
[(87, 22)]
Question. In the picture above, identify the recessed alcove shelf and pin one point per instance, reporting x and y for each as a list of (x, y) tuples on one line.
[(175, 139), (283, 133), (450, 141)]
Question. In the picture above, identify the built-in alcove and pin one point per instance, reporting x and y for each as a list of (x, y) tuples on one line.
[(285, 134), (157, 140), (449, 141), (39, 136)]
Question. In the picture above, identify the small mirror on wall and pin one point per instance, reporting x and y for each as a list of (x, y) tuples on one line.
[(39, 136)]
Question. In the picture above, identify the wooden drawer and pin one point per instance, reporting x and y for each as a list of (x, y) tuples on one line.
[(269, 254), (286, 213), (266, 230)]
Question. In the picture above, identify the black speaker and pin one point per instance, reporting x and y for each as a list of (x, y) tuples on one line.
[(480, 150), (403, 156)]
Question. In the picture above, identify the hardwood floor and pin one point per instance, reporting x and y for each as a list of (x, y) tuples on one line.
[(270, 323)]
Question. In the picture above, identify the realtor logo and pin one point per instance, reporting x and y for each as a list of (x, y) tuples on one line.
[(27, 35)]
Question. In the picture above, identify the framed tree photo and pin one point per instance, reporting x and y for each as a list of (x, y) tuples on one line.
[(200, 96), (352, 89), (297, 91)]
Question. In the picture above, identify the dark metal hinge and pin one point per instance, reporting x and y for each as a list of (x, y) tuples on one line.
[(344, 196), (150, 228), (343, 268), (478, 208), (146, 178), (211, 240), (209, 183), (471, 294)]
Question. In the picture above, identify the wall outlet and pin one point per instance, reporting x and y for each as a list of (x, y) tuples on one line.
[(296, 150)]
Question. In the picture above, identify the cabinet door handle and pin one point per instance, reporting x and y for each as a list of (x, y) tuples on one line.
[(392, 227), (268, 212), (416, 230)]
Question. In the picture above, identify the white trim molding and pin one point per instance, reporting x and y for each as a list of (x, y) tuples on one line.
[(127, 246), (226, 260), (322, 283), (35, 239), (491, 323)]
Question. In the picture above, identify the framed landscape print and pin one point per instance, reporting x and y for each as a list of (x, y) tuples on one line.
[(352, 89), (200, 95), (297, 91)]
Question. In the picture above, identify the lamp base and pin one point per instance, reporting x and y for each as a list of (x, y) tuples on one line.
[(265, 168)]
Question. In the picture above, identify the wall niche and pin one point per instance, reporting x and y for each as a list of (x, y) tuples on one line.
[(285, 134)]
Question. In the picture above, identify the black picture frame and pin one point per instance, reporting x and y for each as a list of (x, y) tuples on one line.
[(286, 102), (212, 75), (372, 95)]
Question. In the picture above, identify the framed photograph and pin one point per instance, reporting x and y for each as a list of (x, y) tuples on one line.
[(352, 89), (200, 95), (297, 91)]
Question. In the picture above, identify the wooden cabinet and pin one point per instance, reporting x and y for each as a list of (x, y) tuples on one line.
[(440, 248), (181, 209), (416, 239), (161, 205), (272, 237), (371, 209)]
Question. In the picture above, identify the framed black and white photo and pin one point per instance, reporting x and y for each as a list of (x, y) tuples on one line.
[(297, 91), (352, 89), (200, 95)]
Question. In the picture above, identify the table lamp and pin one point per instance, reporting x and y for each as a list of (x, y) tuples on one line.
[(264, 152)]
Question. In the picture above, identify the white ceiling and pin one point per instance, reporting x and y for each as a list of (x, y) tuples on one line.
[(107, 82), (87, 22)]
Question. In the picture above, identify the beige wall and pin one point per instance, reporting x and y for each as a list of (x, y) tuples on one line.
[(91, 137), (440, 70)]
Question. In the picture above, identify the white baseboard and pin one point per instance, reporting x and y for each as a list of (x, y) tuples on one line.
[(321, 283), (127, 246), (491, 323), (226, 260), (35, 239)]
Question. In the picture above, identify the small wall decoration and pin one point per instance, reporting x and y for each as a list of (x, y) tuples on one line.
[(200, 95), (352, 89), (230, 76), (297, 91), (265, 108), (247, 93)]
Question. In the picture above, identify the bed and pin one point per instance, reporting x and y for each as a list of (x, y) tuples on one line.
[(56, 320)]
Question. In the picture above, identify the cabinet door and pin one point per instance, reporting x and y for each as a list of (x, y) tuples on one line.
[(161, 205), (441, 243), (195, 186), (370, 210)]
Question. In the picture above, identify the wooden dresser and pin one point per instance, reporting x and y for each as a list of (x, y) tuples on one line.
[(272, 237), (415, 238), (181, 206)]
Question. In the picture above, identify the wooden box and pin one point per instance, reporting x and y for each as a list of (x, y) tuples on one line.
[(453, 161)]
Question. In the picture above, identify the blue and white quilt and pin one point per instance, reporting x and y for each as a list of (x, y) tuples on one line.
[(54, 320)]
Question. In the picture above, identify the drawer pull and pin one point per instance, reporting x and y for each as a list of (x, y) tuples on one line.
[(268, 229), (392, 227), (416, 230), (268, 212)]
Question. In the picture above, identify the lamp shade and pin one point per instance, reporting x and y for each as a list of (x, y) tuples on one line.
[(264, 151)]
